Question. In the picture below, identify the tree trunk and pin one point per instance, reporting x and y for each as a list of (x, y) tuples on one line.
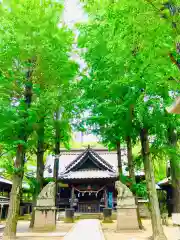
[(57, 152), (40, 166), (33, 212), (175, 171), (119, 158), (158, 233), (132, 176), (57, 144), (13, 212), (130, 159), (14, 205), (57, 132)]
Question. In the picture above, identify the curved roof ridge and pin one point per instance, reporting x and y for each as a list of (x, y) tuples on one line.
[(76, 159), (95, 155), (102, 160)]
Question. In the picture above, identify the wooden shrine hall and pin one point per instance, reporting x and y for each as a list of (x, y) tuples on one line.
[(86, 179)]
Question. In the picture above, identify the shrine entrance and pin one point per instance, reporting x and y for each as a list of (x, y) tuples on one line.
[(89, 199), (89, 207)]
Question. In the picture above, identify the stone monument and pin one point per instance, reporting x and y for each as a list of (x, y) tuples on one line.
[(126, 208), (45, 210)]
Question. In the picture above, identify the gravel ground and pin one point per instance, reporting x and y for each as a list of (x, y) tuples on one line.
[(24, 233), (39, 238), (23, 226), (172, 233)]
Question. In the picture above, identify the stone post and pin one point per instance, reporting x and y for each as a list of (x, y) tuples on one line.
[(107, 214), (69, 215)]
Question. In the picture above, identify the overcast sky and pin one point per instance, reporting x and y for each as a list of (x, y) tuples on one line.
[(73, 12)]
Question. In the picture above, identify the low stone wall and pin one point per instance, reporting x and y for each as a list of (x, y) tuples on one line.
[(144, 208)]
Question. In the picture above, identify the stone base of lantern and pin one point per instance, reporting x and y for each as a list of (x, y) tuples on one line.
[(176, 219)]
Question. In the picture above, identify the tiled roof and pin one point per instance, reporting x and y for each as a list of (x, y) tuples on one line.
[(88, 174), (68, 157), (3, 180), (89, 153), (164, 182)]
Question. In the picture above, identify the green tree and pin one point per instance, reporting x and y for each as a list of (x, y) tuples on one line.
[(35, 55), (52, 128), (169, 12), (122, 56)]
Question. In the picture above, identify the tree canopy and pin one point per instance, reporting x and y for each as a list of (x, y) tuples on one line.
[(131, 52), (128, 84)]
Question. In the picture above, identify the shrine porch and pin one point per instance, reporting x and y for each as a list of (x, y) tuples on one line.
[(87, 197)]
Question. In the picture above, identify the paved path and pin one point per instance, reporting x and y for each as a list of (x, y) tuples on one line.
[(89, 229)]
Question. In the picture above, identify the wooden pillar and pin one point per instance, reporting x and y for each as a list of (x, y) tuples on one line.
[(28, 209), (6, 211), (55, 175), (106, 197), (21, 211), (1, 211), (72, 197), (110, 200)]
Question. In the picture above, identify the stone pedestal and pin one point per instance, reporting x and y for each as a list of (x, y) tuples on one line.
[(126, 208), (176, 219), (127, 218), (45, 210), (45, 219)]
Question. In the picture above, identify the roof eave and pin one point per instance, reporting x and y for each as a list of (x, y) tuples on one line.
[(100, 178)]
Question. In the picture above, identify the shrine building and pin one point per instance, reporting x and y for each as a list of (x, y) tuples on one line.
[(87, 178)]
